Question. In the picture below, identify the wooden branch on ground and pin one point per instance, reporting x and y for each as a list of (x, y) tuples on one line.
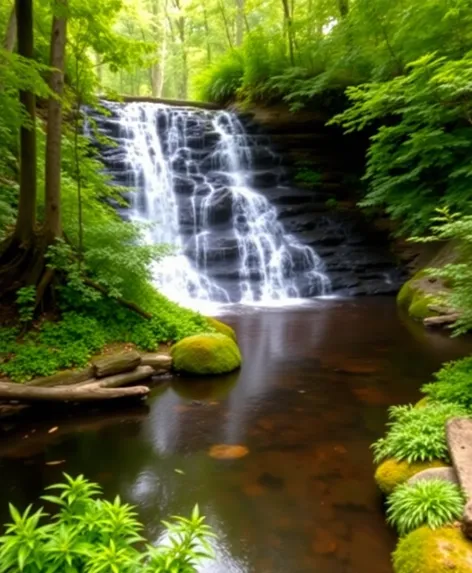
[(78, 393), (126, 303), (445, 321), (119, 380)]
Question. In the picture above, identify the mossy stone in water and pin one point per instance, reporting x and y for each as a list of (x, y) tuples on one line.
[(443, 550), (392, 473), (206, 354), (413, 298), (222, 328)]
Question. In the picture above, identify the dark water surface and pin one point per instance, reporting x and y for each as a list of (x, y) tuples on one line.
[(310, 399)]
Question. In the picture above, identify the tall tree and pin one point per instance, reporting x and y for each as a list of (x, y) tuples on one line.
[(10, 35), (343, 6), (52, 223), (240, 17), (288, 23), (26, 220)]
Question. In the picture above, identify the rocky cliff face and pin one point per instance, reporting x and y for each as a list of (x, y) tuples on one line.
[(318, 205)]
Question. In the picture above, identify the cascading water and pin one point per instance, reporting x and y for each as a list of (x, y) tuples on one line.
[(194, 178)]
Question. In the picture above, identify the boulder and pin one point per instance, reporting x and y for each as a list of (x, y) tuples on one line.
[(116, 363), (443, 550), (222, 328), (159, 362), (392, 473), (445, 474), (459, 441), (206, 354)]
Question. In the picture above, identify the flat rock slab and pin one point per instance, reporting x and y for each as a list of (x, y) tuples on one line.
[(445, 474), (459, 440), (116, 363), (159, 362)]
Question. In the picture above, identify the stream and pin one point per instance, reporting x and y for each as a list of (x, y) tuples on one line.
[(310, 399)]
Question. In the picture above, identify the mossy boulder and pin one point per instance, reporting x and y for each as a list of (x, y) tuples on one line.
[(222, 328), (443, 550), (206, 354), (392, 473), (415, 298)]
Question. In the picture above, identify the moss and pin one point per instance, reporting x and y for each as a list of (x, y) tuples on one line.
[(414, 299), (422, 403), (222, 328), (425, 550), (206, 354), (392, 473)]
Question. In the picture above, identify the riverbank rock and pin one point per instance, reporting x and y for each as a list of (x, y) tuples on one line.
[(116, 363), (445, 474), (459, 441), (425, 550), (416, 296), (392, 473), (206, 354), (222, 328)]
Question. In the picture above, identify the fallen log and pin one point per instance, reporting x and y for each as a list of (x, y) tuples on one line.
[(139, 374), (65, 378), (77, 393), (159, 362), (116, 363), (445, 321)]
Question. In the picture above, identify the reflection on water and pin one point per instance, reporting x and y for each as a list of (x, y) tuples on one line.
[(309, 400)]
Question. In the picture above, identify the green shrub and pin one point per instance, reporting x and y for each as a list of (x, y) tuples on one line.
[(90, 534), (429, 502), (417, 434), (221, 82), (453, 384)]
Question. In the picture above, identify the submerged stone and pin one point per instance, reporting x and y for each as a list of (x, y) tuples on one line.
[(228, 452), (206, 354), (425, 550), (392, 473)]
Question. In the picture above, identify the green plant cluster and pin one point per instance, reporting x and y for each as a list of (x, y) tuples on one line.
[(93, 535), (417, 434), (434, 503), (453, 384)]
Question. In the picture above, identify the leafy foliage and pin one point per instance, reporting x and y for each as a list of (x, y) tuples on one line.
[(427, 502), (418, 157), (98, 536), (417, 434), (453, 384)]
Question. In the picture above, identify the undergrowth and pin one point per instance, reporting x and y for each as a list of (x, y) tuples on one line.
[(83, 332), (453, 384), (417, 434), (428, 502), (90, 534)]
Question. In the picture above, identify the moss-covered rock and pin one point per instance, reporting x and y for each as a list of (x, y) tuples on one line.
[(222, 328), (392, 473), (206, 354), (425, 550), (415, 298)]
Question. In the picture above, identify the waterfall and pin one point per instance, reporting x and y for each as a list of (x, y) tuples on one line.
[(196, 178)]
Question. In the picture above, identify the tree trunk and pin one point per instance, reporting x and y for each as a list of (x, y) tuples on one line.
[(86, 393), (10, 36), (343, 6), (288, 24), (239, 21), (26, 220), (52, 225)]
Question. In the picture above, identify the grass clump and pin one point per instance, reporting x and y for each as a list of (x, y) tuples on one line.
[(417, 434), (453, 384), (98, 536), (434, 503)]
